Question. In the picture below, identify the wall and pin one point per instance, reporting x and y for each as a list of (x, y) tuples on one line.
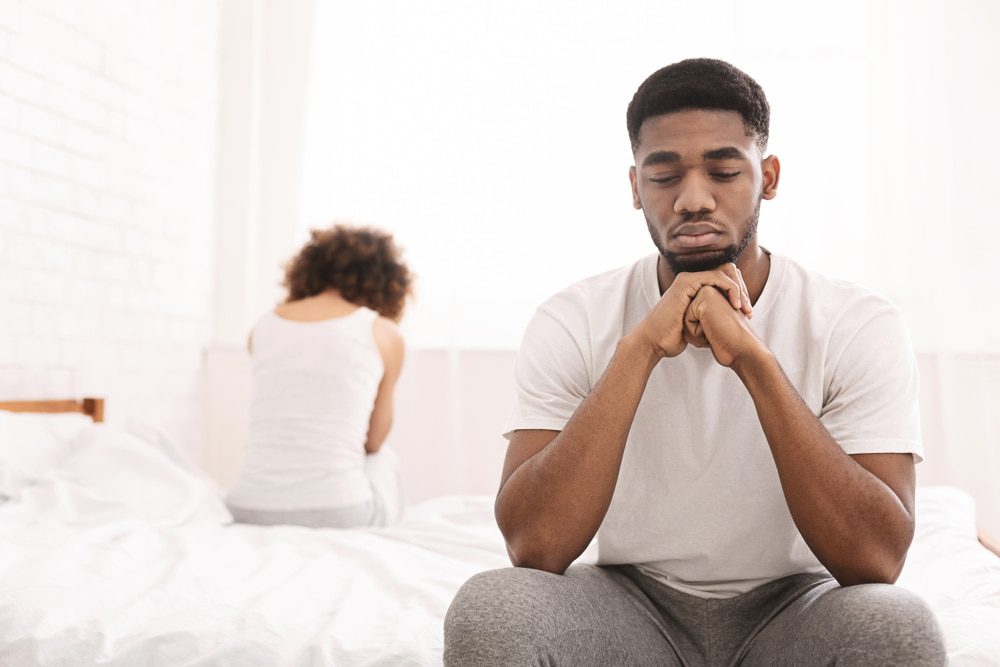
[(107, 150), (959, 395)]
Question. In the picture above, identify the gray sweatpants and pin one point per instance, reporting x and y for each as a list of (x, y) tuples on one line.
[(618, 616), (384, 507)]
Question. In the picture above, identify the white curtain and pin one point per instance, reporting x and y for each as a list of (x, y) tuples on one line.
[(490, 138)]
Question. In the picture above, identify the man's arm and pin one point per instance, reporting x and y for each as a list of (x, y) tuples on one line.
[(854, 512), (557, 486)]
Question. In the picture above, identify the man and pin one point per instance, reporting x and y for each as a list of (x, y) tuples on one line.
[(738, 433)]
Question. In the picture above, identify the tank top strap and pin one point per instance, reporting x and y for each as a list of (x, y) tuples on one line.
[(361, 317)]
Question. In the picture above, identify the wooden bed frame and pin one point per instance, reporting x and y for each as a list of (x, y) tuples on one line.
[(92, 407)]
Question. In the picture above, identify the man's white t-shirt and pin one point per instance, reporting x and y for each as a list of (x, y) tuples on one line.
[(698, 504)]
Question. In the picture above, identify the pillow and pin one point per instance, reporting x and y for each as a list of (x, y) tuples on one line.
[(113, 475), (155, 437), (32, 443)]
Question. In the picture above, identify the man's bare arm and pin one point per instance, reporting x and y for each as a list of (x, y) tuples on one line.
[(855, 513), (557, 486)]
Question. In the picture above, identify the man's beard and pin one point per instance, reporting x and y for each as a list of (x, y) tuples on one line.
[(709, 259)]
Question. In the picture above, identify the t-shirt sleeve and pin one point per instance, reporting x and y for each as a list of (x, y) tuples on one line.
[(872, 400), (552, 372)]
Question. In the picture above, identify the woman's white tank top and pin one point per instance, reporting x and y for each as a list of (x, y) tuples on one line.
[(314, 387)]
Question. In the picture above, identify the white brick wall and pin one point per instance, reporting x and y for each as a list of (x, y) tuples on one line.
[(108, 114)]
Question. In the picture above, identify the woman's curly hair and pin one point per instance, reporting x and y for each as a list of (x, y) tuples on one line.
[(362, 263)]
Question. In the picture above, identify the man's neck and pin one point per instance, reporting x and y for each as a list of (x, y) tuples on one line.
[(755, 271)]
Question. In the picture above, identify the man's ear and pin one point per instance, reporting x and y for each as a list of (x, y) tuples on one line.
[(634, 180), (772, 172)]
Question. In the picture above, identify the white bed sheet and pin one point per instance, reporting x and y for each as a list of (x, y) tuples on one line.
[(958, 577), (121, 555)]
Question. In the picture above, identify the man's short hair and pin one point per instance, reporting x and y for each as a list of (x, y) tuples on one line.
[(700, 83)]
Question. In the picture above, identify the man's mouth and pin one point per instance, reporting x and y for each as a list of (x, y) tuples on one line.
[(696, 235)]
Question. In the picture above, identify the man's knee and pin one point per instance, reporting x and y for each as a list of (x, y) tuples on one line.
[(885, 624), (493, 616), (518, 616), (506, 598)]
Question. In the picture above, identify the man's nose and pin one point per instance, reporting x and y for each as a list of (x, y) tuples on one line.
[(695, 195)]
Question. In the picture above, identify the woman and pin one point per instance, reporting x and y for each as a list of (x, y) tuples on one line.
[(325, 363)]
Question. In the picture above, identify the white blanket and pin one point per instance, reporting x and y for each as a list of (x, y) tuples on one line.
[(122, 554)]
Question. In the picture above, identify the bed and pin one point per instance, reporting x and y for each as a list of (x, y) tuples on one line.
[(117, 550)]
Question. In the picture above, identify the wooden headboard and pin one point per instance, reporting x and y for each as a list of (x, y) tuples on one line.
[(93, 407)]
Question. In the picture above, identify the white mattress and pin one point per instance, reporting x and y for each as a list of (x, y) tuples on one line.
[(122, 554)]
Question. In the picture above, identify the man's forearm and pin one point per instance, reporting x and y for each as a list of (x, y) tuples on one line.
[(858, 522), (550, 506), (556, 490)]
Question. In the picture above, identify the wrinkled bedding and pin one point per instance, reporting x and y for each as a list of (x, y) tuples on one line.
[(122, 553)]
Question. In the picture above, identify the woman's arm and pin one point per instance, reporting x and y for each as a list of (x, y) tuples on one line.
[(391, 346)]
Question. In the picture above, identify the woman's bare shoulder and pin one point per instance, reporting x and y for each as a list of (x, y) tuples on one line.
[(387, 332)]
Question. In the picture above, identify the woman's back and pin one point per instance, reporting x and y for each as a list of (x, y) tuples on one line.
[(315, 380), (325, 365)]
